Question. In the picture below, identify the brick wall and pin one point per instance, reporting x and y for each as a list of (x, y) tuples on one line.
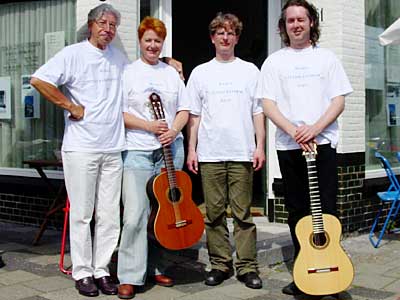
[(26, 201)]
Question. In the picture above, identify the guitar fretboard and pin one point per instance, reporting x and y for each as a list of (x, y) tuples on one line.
[(169, 165), (315, 203)]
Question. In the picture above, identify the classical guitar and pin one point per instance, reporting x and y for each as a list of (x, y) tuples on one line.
[(175, 220), (321, 267)]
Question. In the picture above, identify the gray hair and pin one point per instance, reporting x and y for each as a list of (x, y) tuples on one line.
[(97, 12)]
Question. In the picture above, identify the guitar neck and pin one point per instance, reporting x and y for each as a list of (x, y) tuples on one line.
[(315, 203), (169, 165)]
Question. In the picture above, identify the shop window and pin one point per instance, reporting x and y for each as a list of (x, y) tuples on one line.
[(31, 32), (382, 83)]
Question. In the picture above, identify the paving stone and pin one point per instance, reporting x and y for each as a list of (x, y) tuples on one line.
[(372, 281), (70, 294), (393, 287), (14, 277), (15, 292), (45, 260), (213, 294), (240, 291), (370, 293), (50, 284), (160, 293)]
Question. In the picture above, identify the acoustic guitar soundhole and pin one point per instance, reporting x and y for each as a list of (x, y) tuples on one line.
[(174, 194), (320, 240)]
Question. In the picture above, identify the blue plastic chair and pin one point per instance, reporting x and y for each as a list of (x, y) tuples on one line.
[(392, 195)]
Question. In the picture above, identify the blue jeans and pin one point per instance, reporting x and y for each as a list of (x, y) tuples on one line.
[(139, 166)]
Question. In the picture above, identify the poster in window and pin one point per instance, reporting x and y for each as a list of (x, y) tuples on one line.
[(374, 59), (30, 99), (393, 104), (53, 43), (5, 98)]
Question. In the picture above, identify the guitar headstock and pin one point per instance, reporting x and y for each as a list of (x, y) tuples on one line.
[(156, 104), (311, 154)]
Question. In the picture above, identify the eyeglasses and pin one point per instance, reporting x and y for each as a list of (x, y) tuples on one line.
[(103, 24), (222, 34)]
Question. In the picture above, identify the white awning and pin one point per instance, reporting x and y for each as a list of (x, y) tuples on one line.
[(391, 36)]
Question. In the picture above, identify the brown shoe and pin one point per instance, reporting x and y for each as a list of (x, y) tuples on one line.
[(126, 291), (162, 280)]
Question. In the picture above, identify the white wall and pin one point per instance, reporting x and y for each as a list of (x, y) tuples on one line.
[(343, 31), (127, 36)]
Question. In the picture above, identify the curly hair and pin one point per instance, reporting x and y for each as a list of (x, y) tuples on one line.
[(312, 14), (221, 20)]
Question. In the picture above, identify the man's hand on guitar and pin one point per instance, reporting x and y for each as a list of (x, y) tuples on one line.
[(192, 162), (306, 133), (308, 147), (157, 127)]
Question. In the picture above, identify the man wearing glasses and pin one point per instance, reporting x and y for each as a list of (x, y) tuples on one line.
[(224, 119), (90, 73)]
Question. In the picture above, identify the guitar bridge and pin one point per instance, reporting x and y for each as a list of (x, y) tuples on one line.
[(179, 224), (322, 270)]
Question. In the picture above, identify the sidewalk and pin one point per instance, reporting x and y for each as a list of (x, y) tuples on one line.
[(32, 272)]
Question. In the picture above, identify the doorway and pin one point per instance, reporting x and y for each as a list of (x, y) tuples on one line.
[(191, 45)]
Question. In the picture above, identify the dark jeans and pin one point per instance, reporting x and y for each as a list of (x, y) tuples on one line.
[(295, 184)]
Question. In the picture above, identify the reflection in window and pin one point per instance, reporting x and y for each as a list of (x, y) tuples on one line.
[(30, 126), (382, 83)]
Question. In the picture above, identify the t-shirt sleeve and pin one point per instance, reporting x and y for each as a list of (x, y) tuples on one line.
[(57, 70), (193, 92), (340, 84), (267, 82), (257, 107), (183, 98), (125, 90)]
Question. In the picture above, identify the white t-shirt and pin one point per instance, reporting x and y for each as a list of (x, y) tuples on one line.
[(222, 94), (303, 83), (140, 80), (92, 78)]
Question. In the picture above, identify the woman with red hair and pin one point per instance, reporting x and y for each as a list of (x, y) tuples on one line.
[(143, 157)]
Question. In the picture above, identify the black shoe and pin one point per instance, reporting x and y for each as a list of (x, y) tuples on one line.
[(215, 277), (292, 289), (107, 286), (86, 287), (251, 280), (2, 264)]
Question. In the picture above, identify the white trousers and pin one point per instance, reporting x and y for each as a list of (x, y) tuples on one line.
[(93, 182)]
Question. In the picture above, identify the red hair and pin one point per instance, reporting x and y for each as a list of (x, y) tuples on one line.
[(150, 23)]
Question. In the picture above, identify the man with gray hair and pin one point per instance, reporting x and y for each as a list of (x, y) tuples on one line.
[(90, 72)]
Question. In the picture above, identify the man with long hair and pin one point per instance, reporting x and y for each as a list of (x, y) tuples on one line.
[(303, 88)]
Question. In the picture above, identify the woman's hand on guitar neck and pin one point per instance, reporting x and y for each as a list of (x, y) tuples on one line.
[(168, 137)]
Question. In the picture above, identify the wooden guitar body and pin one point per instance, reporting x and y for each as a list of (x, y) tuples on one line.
[(325, 269), (178, 223)]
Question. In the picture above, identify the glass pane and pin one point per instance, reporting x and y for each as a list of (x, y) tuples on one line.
[(382, 83), (149, 8), (30, 126)]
